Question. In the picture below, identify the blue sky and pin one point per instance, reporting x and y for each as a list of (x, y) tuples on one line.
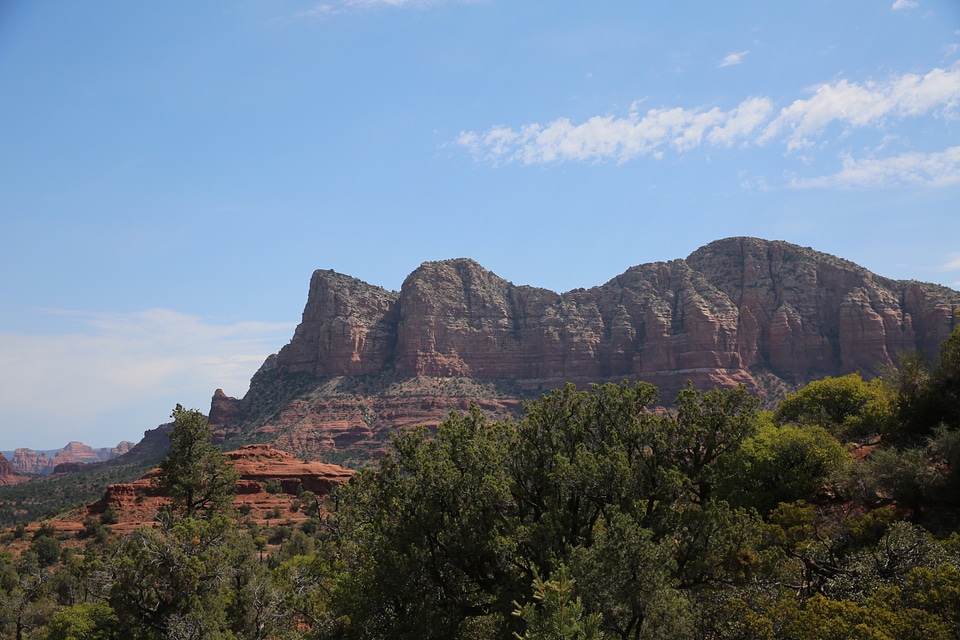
[(172, 173)]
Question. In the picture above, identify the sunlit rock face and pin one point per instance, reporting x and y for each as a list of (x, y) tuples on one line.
[(732, 309)]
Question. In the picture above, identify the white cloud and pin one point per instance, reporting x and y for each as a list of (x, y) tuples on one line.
[(755, 121), (860, 105), (733, 59), (904, 4), (603, 137), (742, 121), (325, 10), (952, 264), (317, 12), (919, 169), (389, 3), (56, 387)]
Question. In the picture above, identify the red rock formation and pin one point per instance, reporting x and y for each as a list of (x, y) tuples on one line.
[(223, 409), (349, 329), (138, 503), (732, 308), (29, 461), (262, 463), (770, 315), (361, 424), (7, 473)]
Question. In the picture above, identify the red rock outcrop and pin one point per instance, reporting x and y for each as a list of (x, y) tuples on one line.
[(262, 463), (348, 329), (138, 503), (320, 425), (29, 461), (7, 473), (223, 409)]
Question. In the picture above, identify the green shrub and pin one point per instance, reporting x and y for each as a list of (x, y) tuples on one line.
[(47, 550), (110, 515), (784, 464), (279, 535), (273, 486)]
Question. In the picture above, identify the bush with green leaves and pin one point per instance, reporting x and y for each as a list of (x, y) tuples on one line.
[(84, 621), (784, 464), (907, 476), (110, 515), (847, 407), (47, 550)]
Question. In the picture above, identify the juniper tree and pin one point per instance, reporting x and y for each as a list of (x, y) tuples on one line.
[(195, 474)]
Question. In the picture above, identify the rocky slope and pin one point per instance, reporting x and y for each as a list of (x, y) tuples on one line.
[(30, 462), (766, 314)]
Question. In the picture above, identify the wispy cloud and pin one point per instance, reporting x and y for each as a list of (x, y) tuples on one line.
[(733, 59), (622, 139), (860, 105), (755, 121), (952, 264), (325, 10), (899, 5), (317, 12), (921, 169), (62, 383), (391, 3)]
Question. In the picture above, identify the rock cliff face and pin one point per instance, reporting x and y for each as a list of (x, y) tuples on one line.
[(7, 473), (29, 461), (732, 309), (769, 315)]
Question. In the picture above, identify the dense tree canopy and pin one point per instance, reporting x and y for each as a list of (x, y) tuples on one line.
[(453, 529)]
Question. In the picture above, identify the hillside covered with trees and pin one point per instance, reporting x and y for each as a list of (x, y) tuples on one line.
[(599, 514)]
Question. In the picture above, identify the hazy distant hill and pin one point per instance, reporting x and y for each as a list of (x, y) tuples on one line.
[(28, 461)]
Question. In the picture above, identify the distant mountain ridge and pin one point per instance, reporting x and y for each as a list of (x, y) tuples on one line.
[(28, 461), (767, 314)]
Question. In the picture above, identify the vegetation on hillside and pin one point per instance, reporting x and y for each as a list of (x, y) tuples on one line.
[(596, 515), (46, 497)]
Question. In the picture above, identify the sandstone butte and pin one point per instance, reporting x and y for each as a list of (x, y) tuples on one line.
[(770, 315), (138, 503)]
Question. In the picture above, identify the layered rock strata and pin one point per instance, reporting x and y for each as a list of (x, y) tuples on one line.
[(732, 310)]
